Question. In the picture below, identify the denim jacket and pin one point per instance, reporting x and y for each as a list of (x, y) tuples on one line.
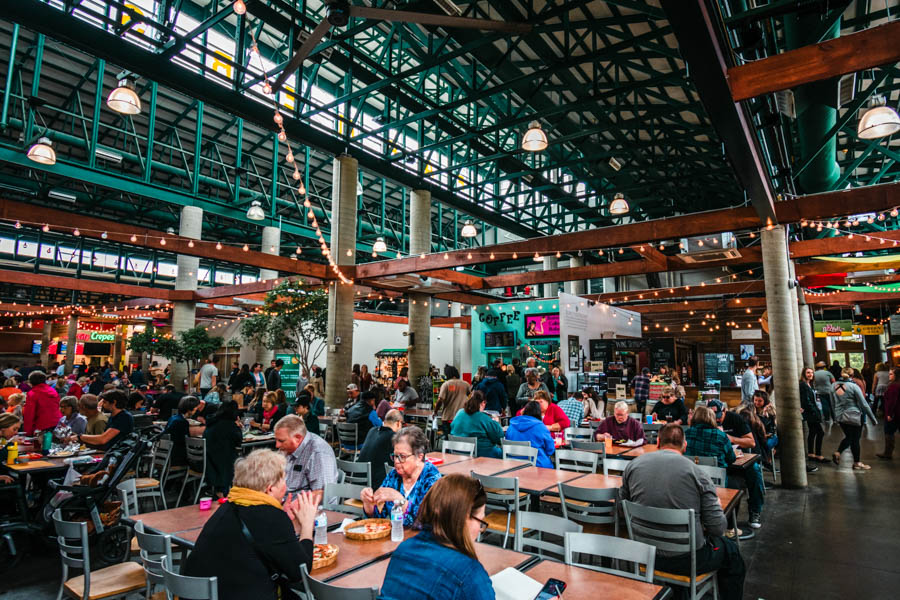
[(424, 569)]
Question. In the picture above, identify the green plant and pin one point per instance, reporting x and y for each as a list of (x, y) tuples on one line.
[(293, 317), (191, 346)]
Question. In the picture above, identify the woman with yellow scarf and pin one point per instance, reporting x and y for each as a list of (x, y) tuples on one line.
[(253, 536)]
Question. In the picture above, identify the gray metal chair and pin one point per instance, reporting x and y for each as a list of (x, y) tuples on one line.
[(196, 455), (581, 434), (670, 530), (128, 494), (335, 496), (604, 546), (540, 524), (154, 485), (462, 448), (358, 473), (116, 581), (182, 586), (614, 464), (515, 443), (594, 508), (598, 447), (716, 474), (504, 500), (348, 440), (460, 438), (708, 461), (322, 591), (520, 453), (153, 549), (576, 460)]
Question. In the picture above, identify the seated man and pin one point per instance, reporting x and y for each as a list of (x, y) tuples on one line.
[(310, 460), (378, 446), (620, 426), (666, 479), (120, 424), (363, 414), (405, 395), (96, 420), (574, 409)]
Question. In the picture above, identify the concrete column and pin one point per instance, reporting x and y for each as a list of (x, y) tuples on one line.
[(419, 304), (339, 358), (806, 334), (576, 287), (609, 284), (184, 314), (45, 343), (795, 311), (784, 356), (271, 244), (551, 290), (117, 348), (456, 311), (71, 343)]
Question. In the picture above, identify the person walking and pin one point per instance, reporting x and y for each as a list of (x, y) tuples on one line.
[(823, 381), (812, 415), (891, 413), (749, 382), (849, 408)]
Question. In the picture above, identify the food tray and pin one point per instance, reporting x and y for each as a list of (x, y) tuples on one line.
[(376, 535), (321, 563)]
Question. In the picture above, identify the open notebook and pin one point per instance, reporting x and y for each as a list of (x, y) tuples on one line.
[(512, 584)]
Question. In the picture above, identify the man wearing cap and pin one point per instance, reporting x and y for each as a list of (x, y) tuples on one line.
[(823, 383), (352, 395)]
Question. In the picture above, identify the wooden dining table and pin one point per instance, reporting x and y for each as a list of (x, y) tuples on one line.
[(537, 480), (353, 554), (484, 466), (586, 583), (493, 558), (447, 458)]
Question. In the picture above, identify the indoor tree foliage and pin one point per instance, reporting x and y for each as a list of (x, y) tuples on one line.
[(294, 318), (191, 346), (145, 344)]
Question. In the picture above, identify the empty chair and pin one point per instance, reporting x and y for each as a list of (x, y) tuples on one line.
[(504, 500), (709, 461), (598, 447), (670, 530), (532, 527), (194, 588), (614, 464), (641, 556), (74, 550), (521, 453), (335, 498), (636, 416), (128, 495), (348, 440), (154, 485), (153, 549), (464, 448), (357, 473), (582, 434), (461, 438), (576, 460), (594, 508), (322, 591), (196, 472), (717, 475)]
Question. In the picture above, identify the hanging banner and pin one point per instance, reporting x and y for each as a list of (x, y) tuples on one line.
[(868, 329), (842, 328)]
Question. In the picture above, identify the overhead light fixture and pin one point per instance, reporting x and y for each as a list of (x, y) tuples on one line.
[(239, 7), (619, 206), (878, 121), (42, 152), (256, 212), (616, 165), (124, 99), (534, 140), (468, 230), (63, 195), (108, 155), (379, 245)]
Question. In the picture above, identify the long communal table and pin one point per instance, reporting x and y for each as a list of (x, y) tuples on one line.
[(587, 583)]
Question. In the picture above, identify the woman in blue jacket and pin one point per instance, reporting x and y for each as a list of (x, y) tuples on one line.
[(528, 427)]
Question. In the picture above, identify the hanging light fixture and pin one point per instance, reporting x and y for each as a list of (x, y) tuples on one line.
[(124, 99), (534, 140), (878, 121), (468, 230), (619, 206), (42, 152), (239, 7), (256, 212), (379, 245)]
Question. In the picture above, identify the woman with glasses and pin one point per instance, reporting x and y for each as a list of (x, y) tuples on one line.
[(408, 483), (440, 562)]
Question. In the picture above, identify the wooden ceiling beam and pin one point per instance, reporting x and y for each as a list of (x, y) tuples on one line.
[(87, 285)]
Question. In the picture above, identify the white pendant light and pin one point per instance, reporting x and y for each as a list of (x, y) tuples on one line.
[(468, 230), (124, 99), (256, 212), (42, 152), (379, 245), (534, 140), (619, 206), (239, 7), (878, 121)]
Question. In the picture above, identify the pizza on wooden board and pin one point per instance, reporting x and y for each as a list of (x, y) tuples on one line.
[(324, 555), (368, 529)]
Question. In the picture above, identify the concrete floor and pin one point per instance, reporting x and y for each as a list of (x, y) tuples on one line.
[(838, 539)]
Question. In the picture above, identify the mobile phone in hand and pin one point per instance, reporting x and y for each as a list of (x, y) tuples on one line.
[(552, 590)]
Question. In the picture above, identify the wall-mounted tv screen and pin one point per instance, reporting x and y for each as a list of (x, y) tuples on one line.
[(542, 325), (499, 339)]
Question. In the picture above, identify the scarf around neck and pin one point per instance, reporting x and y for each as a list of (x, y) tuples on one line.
[(242, 496)]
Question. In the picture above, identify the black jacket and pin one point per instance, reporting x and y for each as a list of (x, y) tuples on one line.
[(222, 551), (222, 441), (166, 403), (377, 450), (359, 414), (811, 413), (273, 380)]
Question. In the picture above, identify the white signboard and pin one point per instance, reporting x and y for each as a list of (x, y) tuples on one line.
[(620, 391), (895, 324), (746, 334)]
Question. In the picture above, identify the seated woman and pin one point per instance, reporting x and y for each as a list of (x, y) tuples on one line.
[(620, 426), (472, 421), (528, 427), (223, 438), (271, 413), (216, 395), (593, 404), (253, 402), (552, 415), (410, 480), (281, 534), (303, 409), (669, 408), (440, 562), (704, 438), (765, 410), (71, 423)]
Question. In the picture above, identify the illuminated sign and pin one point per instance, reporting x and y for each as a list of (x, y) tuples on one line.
[(95, 336)]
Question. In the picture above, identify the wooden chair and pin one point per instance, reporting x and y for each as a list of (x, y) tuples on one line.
[(504, 500), (540, 524), (115, 581), (195, 588), (322, 591), (520, 453), (641, 556), (670, 530), (196, 472), (348, 440), (463, 448), (340, 493)]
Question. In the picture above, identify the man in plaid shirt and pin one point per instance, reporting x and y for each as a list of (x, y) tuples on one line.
[(310, 460), (641, 385), (574, 409), (704, 438)]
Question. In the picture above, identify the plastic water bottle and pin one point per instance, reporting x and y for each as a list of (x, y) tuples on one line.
[(321, 527), (397, 522)]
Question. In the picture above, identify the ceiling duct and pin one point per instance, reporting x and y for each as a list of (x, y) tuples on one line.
[(709, 248)]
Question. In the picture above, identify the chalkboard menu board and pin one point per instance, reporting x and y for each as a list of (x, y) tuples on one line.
[(602, 350), (499, 339), (719, 367), (662, 353)]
